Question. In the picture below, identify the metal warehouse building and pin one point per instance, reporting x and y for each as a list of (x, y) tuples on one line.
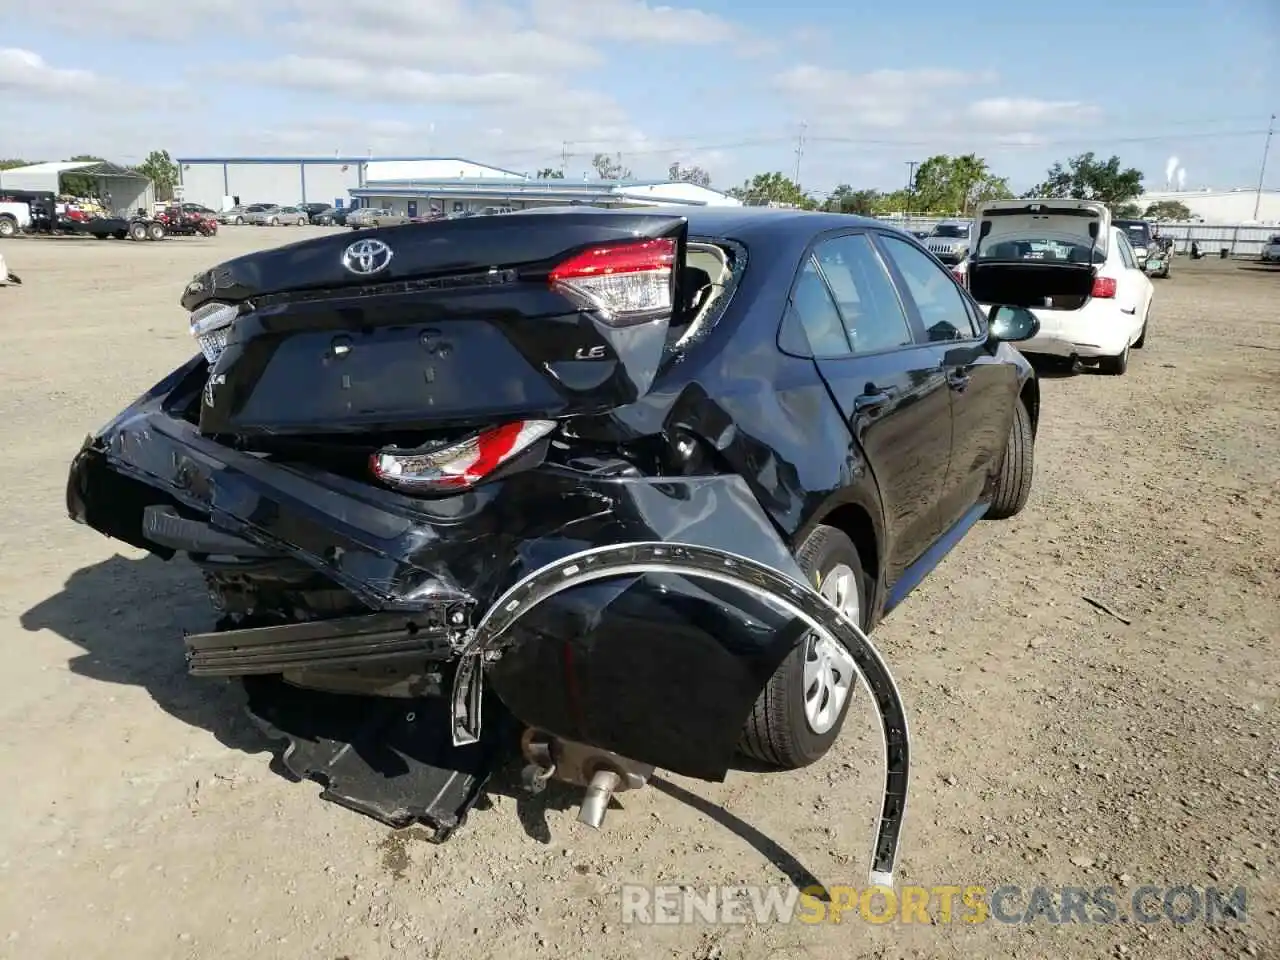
[(1244, 205), (219, 182)]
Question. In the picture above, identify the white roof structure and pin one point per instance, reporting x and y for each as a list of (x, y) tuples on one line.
[(128, 189)]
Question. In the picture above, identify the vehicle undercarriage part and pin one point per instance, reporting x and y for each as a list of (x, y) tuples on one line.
[(699, 563), (602, 772), (386, 758)]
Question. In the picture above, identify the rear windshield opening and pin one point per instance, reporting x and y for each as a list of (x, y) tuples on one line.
[(950, 231), (707, 281)]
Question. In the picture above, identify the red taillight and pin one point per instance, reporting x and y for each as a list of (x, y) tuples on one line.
[(451, 468), (628, 282), (1104, 288)]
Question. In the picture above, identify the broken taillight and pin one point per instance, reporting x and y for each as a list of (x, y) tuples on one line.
[(211, 325), (627, 282), (1104, 288), (453, 467)]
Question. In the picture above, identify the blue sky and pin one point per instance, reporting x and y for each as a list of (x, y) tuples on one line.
[(725, 85)]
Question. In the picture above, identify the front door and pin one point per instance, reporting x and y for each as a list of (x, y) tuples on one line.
[(889, 385), (982, 388)]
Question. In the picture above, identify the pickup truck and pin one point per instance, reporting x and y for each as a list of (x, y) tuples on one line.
[(14, 217)]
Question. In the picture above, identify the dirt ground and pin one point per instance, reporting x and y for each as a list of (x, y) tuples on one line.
[(1054, 744)]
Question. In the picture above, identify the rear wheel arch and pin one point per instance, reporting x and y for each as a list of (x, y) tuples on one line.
[(854, 521)]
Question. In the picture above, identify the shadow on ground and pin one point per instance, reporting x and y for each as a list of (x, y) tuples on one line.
[(128, 617)]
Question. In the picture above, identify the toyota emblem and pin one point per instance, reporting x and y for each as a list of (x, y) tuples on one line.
[(366, 257)]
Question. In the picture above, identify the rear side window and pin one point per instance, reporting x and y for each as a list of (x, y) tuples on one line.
[(1126, 252), (868, 303), (812, 304), (942, 306)]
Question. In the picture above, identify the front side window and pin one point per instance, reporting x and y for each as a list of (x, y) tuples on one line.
[(942, 306)]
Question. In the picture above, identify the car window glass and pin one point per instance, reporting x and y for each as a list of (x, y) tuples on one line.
[(941, 304), (811, 300), (869, 306), (1126, 252)]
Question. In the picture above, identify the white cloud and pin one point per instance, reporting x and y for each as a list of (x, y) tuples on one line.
[(881, 98), (1025, 111), (145, 19), (634, 21), (26, 72)]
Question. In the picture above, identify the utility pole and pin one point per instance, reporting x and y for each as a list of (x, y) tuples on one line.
[(911, 184), (564, 157), (1262, 174), (799, 151)]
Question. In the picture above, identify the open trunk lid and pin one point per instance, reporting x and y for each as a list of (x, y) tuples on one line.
[(1038, 253), (451, 324)]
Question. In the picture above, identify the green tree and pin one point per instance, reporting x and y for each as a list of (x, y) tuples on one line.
[(12, 164), (845, 199), (696, 175), (162, 171), (610, 168), (766, 188), (955, 185), (1169, 210), (1127, 211), (1087, 178), (893, 202), (550, 173)]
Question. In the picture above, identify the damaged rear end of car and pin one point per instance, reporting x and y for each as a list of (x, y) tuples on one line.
[(400, 467)]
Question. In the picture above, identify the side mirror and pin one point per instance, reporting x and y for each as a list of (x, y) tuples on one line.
[(1010, 324)]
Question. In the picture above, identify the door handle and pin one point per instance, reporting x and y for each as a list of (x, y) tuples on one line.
[(868, 402), (1128, 310)]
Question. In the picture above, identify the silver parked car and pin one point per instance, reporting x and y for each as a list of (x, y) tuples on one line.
[(275, 216)]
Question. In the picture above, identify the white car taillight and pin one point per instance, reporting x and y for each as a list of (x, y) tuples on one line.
[(628, 282), (454, 467), (210, 325)]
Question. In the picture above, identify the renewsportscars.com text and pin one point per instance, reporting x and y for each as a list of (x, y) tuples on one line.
[(1148, 903)]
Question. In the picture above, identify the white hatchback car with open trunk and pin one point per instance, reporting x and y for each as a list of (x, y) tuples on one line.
[(1078, 274)]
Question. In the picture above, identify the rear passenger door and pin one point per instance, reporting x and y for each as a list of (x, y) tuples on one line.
[(983, 389), (889, 387)]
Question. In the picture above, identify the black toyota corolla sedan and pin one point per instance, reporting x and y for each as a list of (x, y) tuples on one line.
[(623, 468)]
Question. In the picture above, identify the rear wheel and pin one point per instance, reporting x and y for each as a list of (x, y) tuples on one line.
[(275, 221), (138, 231), (1013, 482), (156, 231), (8, 226), (121, 234), (1115, 366), (799, 713)]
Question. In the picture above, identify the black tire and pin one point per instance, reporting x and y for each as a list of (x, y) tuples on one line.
[(121, 234), (1017, 467), (8, 226), (138, 231), (777, 732), (155, 231), (1115, 366)]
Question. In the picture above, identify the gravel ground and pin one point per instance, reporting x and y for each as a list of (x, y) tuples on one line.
[(1055, 743)]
